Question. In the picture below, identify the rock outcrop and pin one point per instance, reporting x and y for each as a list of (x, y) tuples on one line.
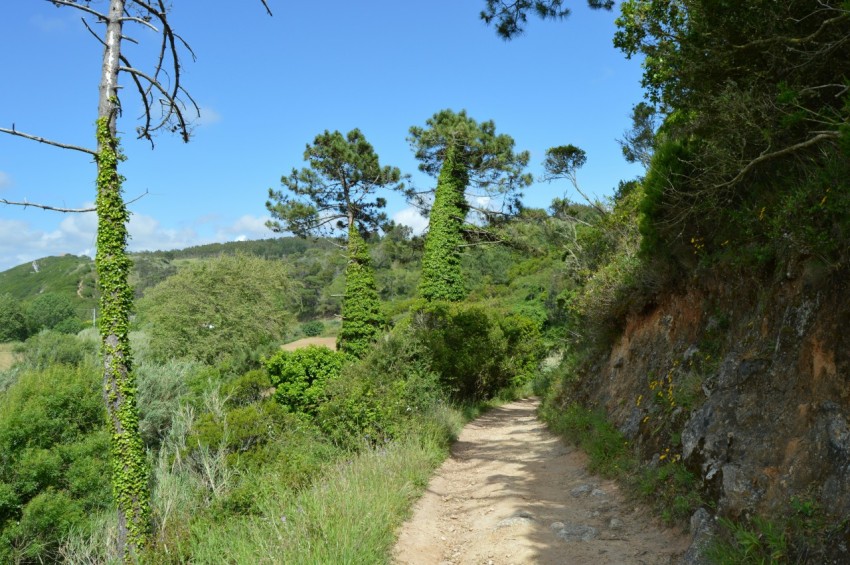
[(748, 383)]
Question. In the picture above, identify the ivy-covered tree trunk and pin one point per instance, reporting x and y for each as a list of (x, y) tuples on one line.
[(129, 468), (441, 274), (362, 318)]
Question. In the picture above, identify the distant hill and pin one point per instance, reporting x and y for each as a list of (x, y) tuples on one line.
[(74, 276), (69, 275)]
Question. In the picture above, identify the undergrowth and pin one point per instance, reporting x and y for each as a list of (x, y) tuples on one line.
[(803, 535)]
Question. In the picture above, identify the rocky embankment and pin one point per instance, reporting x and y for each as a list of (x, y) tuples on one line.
[(747, 382)]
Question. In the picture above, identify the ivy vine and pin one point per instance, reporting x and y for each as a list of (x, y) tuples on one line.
[(362, 319), (129, 466), (441, 270)]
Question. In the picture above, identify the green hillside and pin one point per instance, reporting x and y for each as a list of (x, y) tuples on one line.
[(70, 276), (74, 277), (316, 264)]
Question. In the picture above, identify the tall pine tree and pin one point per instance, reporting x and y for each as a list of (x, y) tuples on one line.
[(464, 156), (336, 195)]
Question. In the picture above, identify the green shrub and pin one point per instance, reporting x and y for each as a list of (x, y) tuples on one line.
[(243, 433), (49, 348), (44, 521), (13, 324), (465, 347), (46, 311), (162, 388), (300, 376), (249, 388), (313, 328), (54, 468), (669, 219), (375, 399), (218, 309), (72, 325), (525, 348), (477, 351)]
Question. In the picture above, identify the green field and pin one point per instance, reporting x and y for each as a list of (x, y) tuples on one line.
[(7, 358)]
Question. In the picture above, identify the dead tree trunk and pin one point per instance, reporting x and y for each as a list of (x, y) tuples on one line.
[(129, 468)]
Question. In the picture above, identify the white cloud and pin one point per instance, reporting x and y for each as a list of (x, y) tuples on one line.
[(5, 180), (208, 116), (245, 228), (21, 242), (410, 216), (482, 202), (147, 234)]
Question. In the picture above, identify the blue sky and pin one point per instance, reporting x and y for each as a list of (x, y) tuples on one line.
[(267, 86)]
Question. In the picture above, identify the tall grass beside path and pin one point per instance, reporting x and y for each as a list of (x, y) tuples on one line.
[(350, 515)]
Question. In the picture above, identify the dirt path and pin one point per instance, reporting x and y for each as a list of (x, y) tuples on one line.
[(514, 493)]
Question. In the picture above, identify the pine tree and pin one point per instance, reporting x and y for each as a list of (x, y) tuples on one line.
[(165, 103), (463, 155), (335, 195)]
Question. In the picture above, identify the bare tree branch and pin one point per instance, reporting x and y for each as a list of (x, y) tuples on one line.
[(82, 7), (26, 204), (784, 151), (140, 21), (13, 131)]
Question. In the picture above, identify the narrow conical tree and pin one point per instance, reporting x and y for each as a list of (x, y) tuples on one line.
[(441, 274), (336, 193), (463, 155), (362, 318)]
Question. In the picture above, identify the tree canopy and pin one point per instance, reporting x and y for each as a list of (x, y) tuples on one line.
[(511, 17), (491, 168), (463, 154), (338, 193), (337, 189), (231, 305)]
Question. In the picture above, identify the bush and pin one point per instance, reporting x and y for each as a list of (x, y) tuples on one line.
[(162, 388), (54, 469), (217, 309), (13, 325), (375, 399), (477, 351), (300, 376), (242, 430), (313, 328), (70, 325), (52, 348), (242, 433), (249, 388), (525, 348), (46, 311)]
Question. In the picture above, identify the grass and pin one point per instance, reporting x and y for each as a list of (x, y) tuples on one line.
[(348, 512), (349, 515), (666, 485)]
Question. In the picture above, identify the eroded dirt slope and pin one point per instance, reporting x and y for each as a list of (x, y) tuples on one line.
[(514, 493)]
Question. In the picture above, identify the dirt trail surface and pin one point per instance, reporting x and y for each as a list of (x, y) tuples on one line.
[(512, 492)]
